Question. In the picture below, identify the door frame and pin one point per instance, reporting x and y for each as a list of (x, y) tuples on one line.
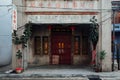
[(60, 33)]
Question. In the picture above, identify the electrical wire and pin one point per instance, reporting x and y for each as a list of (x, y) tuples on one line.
[(61, 8), (22, 27), (98, 22)]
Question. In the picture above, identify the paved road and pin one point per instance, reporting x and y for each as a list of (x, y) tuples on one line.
[(78, 78), (70, 78), (5, 68), (61, 74)]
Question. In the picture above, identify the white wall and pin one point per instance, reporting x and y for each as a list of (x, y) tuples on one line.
[(105, 33), (5, 33)]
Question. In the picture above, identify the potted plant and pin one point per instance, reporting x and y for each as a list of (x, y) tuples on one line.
[(97, 67), (21, 41), (19, 69), (101, 57)]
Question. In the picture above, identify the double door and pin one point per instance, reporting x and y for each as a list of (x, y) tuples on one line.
[(61, 49)]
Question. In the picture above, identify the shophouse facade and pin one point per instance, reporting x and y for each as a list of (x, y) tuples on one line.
[(116, 25), (60, 31)]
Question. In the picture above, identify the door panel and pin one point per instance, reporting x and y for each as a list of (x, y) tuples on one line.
[(61, 48), (65, 56)]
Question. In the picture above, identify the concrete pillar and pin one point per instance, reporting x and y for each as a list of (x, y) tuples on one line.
[(25, 63), (105, 33), (13, 56)]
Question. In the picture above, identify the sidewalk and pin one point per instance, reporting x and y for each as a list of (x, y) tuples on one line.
[(57, 73)]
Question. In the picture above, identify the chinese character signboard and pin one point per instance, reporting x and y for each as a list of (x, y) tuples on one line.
[(59, 18), (14, 18), (36, 5)]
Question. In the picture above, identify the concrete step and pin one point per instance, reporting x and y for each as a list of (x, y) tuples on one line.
[(77, 78), (70, 78)]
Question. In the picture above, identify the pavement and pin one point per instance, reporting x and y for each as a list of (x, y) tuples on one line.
[(62, 73), (5, 68)]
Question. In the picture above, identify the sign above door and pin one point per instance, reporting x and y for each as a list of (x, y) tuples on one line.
[(60, 18)]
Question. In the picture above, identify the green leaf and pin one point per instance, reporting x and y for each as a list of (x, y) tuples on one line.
[(94, 33), (19, 54), (102, 54)]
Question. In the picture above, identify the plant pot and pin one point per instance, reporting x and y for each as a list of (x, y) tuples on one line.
[(19, 70), (97, 69)]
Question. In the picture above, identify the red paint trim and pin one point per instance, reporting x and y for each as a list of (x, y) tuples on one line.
[(61, 13)]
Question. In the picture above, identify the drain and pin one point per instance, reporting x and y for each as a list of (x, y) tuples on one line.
[(93, 77)]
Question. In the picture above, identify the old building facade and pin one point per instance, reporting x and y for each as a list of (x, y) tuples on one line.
[(60, 31)]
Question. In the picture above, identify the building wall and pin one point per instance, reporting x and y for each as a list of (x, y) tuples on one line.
[(20, 4), (86, 10), (21, 21), (61, 11), (105, 33), (39, 59), (60, 5), (42, 59)]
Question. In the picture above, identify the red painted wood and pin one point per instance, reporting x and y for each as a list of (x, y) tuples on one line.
[(64, 52), (61, 13)]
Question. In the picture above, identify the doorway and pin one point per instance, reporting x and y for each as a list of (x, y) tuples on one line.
[(61, 46)]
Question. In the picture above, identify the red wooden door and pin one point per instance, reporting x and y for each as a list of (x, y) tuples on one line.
[(65, 55), (61, 49)]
